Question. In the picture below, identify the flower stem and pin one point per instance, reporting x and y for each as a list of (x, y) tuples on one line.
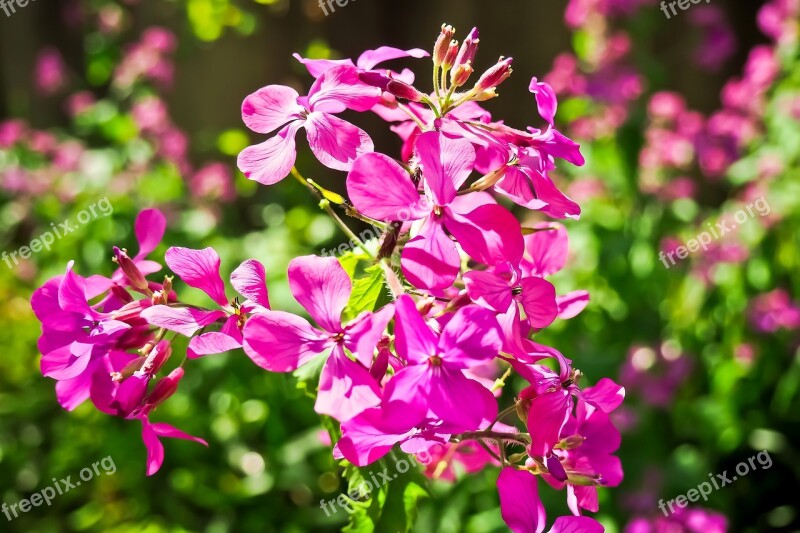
[(325, 205), (519, 438)]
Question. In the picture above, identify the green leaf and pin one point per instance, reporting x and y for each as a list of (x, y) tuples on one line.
[(367, 291), (308, 375), (392, 507)]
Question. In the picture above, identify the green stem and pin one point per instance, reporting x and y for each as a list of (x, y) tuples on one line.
[(505, 411), (325, 205), (519, 438)]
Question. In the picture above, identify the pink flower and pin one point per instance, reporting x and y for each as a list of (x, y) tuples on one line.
[(432, 385), (282, 342), (151, 433), (200, 269), (335, 142), (584, 458), (366, 61), (50, 72), (524, 512), (214, 181), (380, 188), (75, 336), (773, 311)]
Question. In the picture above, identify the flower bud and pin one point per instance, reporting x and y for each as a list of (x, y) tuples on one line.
[(485, 95), (157, 357), (468, 49), (121, 294), (571, 442), (494, 76), (130, 270), (522, 408), (130, 394), (375, 79), (442, 44), (450, 57), (555, 468), (128, 370), (165, 388), (460, 74), (130, 311), (403, 90)]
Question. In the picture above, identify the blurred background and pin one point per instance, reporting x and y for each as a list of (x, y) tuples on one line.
[(683, 122)]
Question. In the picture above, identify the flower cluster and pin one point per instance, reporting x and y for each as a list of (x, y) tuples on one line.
[(97, 344), (469, 288)]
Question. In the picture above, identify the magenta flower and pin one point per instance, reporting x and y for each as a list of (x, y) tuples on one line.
[(75, 336), (585, 458), (370, 435), (548, 401), (524, 512), (335, 142), (50, 73), (365, 62), (432, 386), (502, 292), (149, 228), (151, 433), (200, 269), (283, 342), (380, 188)]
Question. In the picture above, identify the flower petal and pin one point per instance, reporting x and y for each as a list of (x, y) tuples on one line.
[(322, 286), (271, 161), (547, 415), (184, 320), (335, 142), (340, 88), (538, 299), (430, 260), (198, 269), (546, 250), (461, 403), (488, 290), (572, 303), (155, 450), (489, 234), (605, 395), (414, 340), (546, 100), (471, 337), (576, 524), (271, 107), (150, 226), (520, 505), (250, 280), (213, 342), (345, 388), (366, 438), (380, 188), (364, 333), (446, 164), (370, 58), (281, 342), (317, 67)]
